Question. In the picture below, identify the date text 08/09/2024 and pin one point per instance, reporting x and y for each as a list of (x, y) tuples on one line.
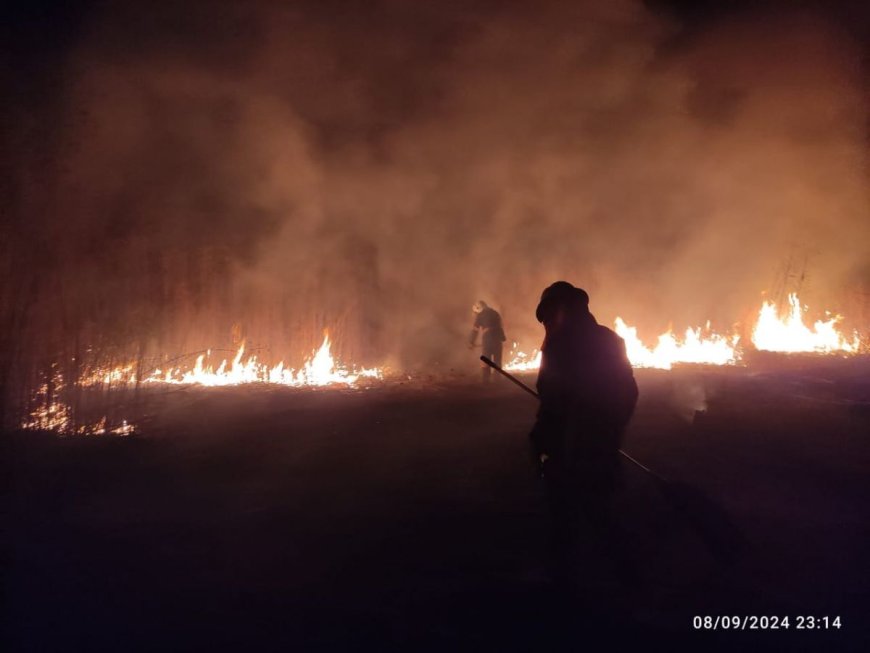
[(752, 622)]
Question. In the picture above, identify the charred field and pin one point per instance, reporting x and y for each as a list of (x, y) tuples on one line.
[(408, 515)]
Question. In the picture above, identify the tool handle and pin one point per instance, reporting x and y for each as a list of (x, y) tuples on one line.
[(510, 377), (515, 380)]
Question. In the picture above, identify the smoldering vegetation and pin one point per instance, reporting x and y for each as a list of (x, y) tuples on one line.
[(185, 176)]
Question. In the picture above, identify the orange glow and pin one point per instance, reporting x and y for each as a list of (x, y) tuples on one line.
[(522, 362), (703, 346), (320, 369), (52, 414), (771, 332), (697, 346), (789, 333)]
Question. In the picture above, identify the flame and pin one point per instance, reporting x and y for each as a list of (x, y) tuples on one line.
[(52, 414), (56, 416), (522, 362), (120, 374), (790, 334), (699, 346), (706, 348), (49, 415), (319, 370)]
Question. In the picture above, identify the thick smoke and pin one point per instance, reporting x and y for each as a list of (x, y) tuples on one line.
[(229, 170)]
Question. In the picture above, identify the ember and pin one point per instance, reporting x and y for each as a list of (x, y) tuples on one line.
[(522, 362), (50, 413)]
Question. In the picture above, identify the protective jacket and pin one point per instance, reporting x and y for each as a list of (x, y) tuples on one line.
[(488, 324), (587, 391)]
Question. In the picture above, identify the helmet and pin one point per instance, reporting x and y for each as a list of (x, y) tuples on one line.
[(479, 306), (561, 295)]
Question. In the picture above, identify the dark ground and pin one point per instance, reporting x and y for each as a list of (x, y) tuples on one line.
[(408, 516)]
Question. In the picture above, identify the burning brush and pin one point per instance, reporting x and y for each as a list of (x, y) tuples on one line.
[(772, 332)]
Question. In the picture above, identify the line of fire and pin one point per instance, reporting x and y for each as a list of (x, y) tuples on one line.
[(49, 407)]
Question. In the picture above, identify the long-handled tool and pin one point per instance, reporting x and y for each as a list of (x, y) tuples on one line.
[(708, 519), (513, 379)]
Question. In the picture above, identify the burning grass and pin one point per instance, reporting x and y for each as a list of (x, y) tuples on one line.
[(75, 408), (773, 332), (64, 408)]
